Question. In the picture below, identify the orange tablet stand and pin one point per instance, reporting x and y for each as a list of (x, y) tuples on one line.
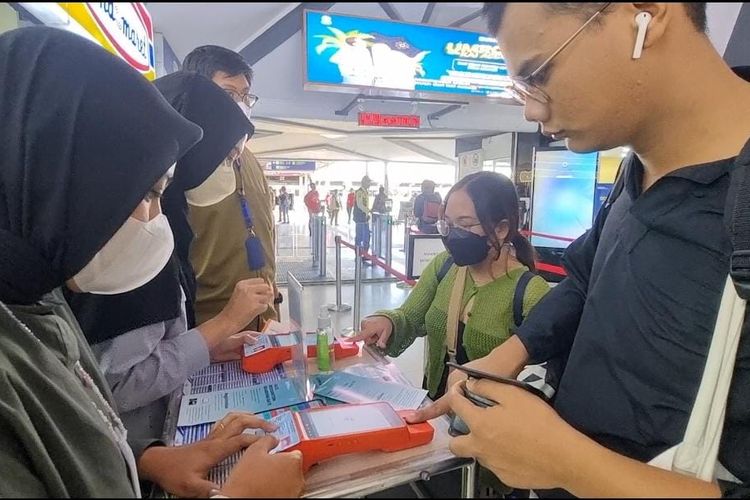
[(266, 360), (399, 437)]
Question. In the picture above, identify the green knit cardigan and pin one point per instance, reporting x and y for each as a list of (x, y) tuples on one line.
[(425, 313)]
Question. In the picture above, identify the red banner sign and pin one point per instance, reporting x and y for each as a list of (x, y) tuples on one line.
[(392, 121)]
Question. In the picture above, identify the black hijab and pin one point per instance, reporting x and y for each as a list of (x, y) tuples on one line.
[(103, 317), (83, 138), (200, 100)]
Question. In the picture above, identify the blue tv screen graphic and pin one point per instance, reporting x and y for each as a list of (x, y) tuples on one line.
[(563, 200), (391, 55)]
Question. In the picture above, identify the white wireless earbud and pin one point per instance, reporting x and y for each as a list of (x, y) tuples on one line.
[(642, 21)]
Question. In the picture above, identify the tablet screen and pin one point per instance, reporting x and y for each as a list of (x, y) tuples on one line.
[(283, 340), (350, 419)]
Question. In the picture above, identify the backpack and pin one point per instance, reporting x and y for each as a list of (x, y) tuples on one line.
[(431, 211)]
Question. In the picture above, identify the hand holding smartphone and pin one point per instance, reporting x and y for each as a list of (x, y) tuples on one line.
[(458, 427), (477, 374)]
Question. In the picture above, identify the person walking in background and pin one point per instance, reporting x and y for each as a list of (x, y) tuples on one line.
[(327, 203), (312, 202), (362, 217), (350, 199), (378, 205), (334, 205), (427, 208), (283, 206)]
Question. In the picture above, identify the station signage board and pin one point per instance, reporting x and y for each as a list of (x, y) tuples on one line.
[(390, 121)]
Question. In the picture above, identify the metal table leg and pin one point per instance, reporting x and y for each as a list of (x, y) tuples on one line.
[(468, 480)]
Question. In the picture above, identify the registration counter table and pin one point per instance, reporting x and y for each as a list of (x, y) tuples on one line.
[(356, 474)]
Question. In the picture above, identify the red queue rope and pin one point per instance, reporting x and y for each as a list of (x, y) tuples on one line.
[(549, 268), (550, 236), (374, 259)]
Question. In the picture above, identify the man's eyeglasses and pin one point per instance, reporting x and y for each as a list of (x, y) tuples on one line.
[(248, 99), (444, 228), (522, 88)]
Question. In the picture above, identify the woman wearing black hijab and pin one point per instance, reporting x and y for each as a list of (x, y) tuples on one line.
[(85, 142), (141, 338)]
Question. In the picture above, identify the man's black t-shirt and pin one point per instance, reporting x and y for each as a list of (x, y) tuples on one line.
[(637, 314)]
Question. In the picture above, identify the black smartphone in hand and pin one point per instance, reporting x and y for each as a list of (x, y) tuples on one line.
[(477, 374), (458, 427)]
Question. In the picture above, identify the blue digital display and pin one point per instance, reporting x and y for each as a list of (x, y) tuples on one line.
[(563, 200), (347, 50)]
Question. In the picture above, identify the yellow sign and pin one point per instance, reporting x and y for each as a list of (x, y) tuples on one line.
[(125, 29)]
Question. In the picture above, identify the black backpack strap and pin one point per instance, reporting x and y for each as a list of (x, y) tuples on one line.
[(444, 269), (518, 296), (738, 214)]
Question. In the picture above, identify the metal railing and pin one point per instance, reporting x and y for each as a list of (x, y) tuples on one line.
[(382, 236), (358, 258), (339, 306), (318, 248)]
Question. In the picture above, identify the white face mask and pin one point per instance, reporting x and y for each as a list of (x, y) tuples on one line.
[(135, 255), (236, 151), (245, 109), (218, 186)]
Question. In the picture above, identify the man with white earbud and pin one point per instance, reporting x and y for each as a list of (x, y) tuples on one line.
[(636, 318)]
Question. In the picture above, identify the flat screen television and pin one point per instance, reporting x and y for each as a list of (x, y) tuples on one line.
[(354, 54), (563, 196)]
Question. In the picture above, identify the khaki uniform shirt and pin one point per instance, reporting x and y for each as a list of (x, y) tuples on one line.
[(218, 250)]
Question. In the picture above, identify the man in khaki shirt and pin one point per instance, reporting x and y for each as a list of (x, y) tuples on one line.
[(218, 252)]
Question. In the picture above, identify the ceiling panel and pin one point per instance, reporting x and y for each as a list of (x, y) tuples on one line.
[(189, 25)]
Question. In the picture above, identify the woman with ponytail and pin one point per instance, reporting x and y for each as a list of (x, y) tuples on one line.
[(487, 259)]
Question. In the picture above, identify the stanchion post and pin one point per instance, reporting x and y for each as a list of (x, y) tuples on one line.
[(322, 252), (314, 239), (357, 287), (339, 306), (389, 240), (407, 225)]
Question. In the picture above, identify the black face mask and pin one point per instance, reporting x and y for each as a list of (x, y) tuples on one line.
[(466, 248)]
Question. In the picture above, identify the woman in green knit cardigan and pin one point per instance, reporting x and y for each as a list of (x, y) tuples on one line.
[(479, 225)]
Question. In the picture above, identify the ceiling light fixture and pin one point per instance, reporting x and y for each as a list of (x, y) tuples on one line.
[(333, 136)]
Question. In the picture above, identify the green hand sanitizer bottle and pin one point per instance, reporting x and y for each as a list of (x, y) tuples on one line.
[(325, 341)]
